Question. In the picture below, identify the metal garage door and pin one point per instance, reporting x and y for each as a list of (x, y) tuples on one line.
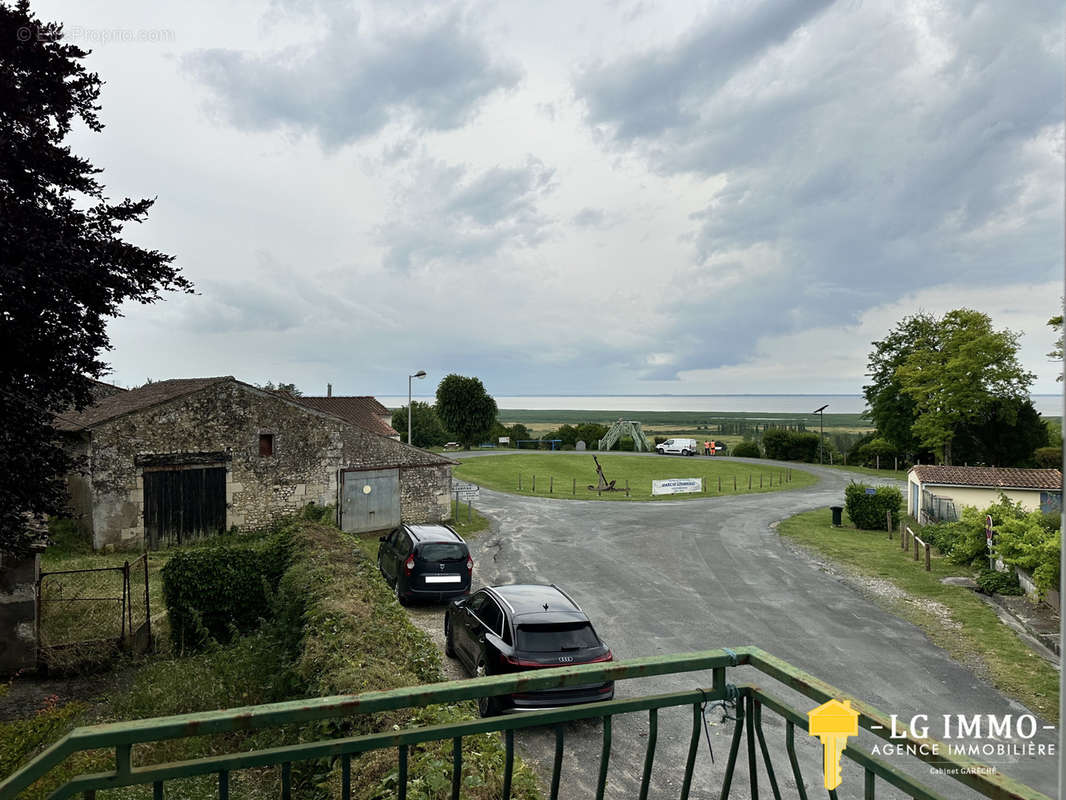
[(370, 500)]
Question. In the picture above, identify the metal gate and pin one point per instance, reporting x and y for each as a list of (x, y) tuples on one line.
[(83, 615), (181, 505), (370, 500)]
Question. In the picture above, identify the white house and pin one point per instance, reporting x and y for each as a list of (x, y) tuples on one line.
[(939, 492)]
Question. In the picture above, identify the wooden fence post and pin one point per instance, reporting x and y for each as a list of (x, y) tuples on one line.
[(734, 483), (627, 487), (573, 487), (534, 490), (915, 538), (551, 484), (888, 522), (519, 481), (719, 484), (760, 480), (928, 559)]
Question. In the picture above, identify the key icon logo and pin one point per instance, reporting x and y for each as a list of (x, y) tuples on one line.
[(833, 723)]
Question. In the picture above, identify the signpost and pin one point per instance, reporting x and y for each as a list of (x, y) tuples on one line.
[(677, 486), (505, 440), (464, 491)]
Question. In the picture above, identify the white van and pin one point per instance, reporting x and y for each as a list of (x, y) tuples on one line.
[(686, 447)]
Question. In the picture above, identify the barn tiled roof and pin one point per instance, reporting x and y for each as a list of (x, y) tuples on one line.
[(121, 403), (365, 412), (989, 477)]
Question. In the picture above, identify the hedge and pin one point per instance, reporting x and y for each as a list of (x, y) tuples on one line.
[(867, 510), (785, 445), (747, 449), (214, 593)]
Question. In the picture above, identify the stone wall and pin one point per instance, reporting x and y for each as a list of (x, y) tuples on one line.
[(425, 493), (18, 613), (309, 449)]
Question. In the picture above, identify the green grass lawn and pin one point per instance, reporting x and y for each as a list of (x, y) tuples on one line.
[(978, 638), (568, 476)]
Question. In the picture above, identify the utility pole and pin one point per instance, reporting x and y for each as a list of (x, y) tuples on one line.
[(821, 428)]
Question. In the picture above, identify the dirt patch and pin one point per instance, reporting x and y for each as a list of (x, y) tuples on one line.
[(27, 694)]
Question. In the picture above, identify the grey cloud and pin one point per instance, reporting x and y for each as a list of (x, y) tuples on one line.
[(446, 214), (651, 93), (590, 218), (867, 181), (432, 75)]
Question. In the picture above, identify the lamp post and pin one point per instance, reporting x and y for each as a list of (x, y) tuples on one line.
[(420, 374), (821, 428)]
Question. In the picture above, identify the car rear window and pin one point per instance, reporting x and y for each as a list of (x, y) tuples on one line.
[(443, 551), (552, 638)]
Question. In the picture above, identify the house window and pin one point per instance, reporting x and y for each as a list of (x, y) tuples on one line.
[(266, 445)]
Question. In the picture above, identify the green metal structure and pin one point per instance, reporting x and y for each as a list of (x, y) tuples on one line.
[(626, 427), (750, 702)]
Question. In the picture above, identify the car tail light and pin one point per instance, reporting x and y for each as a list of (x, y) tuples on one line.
[(608, 656), (517, 662), (409, 565), (469, 564)]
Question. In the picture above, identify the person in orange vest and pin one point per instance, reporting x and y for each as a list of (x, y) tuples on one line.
[(713, 447), (706, 448)]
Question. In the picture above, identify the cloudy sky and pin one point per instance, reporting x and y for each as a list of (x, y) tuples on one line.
[(622, 197)]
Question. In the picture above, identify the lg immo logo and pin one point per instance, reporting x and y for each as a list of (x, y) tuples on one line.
[(833, 723)]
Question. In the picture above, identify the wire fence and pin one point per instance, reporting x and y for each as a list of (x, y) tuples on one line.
[(85, 615)]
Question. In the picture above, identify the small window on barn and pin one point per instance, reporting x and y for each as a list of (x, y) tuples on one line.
[(266, 444)]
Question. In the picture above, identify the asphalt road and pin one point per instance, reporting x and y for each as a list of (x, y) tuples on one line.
[(679, 576)]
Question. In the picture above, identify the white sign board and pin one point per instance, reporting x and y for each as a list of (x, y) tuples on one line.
[(505, 440), (463, 490), (677, 486)]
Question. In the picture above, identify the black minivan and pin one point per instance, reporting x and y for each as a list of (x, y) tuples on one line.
[(430, 562)]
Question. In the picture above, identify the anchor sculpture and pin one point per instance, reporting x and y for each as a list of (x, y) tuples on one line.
[(604, 485)]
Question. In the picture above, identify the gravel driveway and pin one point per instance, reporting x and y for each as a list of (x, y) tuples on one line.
[(678, 576)]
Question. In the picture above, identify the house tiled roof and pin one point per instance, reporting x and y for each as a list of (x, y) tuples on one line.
[(126, 402), (364, 412), (989, 477)]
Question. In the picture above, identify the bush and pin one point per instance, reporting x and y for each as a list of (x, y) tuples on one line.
[(213, 592), (785, 445), (964, 542), (1048, 457), (867, 511), (747, 449), (991, 581), (1025, 542)]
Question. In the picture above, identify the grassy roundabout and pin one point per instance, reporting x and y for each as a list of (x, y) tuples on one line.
[(568, 476)]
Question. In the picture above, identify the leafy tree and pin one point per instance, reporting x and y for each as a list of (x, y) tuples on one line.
[(590, 433), (282, 388), (64, 267), (747, 449), (426, 430), (1056, 353), (890, 408), (1004, 433), (955, 372), (465, 408)]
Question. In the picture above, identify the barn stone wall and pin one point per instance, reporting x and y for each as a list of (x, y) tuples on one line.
[(425, 493), (309, 450)]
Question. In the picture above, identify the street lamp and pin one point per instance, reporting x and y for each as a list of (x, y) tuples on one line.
[(821, 428), (420, 374)]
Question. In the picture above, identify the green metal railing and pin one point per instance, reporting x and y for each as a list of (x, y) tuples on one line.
[(750, 702)]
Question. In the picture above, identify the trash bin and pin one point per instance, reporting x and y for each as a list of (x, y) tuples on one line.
[(837, 510)]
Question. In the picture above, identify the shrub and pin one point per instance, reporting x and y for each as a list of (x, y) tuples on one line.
[(1048, 457), (991, 581), (1025, 542), (747, 449), (963, 541), (213, 592), (867, 511), (785, 445)]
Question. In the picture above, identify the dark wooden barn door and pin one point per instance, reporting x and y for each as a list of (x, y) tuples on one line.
[(181, 505)]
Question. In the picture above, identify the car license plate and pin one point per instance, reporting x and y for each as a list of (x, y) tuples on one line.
[(443, 579)]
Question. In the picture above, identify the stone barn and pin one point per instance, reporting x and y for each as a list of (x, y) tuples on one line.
[(179, 460)]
